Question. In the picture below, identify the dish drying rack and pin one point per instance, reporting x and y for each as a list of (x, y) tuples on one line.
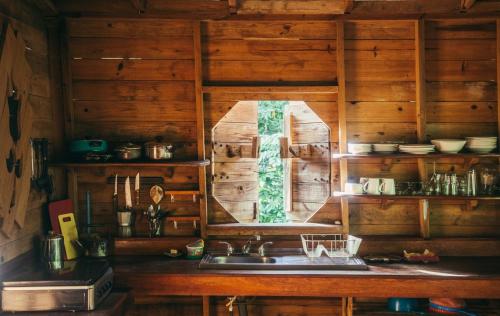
[(333, 245)]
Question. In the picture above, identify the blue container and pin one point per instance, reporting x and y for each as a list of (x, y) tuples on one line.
[(83, 146), (397, 304)]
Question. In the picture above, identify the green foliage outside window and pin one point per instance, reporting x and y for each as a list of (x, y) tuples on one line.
[(271, 195)]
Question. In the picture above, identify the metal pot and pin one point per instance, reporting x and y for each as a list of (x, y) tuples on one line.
[(53, 250), (158, 150), (128, 151)]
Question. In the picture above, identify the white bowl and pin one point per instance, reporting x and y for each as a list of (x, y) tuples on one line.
[(385, 148), (357, 149), (449, 146), (481, 150)]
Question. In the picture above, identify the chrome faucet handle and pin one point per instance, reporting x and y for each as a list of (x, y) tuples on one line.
[(229, 249), (262, 249), (248, 246)]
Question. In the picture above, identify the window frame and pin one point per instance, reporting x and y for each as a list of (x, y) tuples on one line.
[(273, 93)]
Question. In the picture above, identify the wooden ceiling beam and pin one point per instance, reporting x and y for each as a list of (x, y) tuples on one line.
[(279, 9)]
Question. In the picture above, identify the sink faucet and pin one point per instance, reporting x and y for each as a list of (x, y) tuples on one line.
[(262, 249), (229, 249), (246, 248)]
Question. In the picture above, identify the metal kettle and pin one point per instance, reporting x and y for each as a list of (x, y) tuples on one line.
[(53, 250)]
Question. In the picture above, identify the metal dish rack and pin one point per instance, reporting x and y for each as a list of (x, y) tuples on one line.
[(333, 245)]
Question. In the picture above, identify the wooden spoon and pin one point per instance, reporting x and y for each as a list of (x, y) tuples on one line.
[(156, 194)]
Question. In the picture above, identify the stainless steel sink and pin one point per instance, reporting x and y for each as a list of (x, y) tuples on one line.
[(286, 262), (242, 260)]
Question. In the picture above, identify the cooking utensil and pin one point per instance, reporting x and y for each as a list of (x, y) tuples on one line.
[(158, 150), (156, 193), (115, 195), (70, 234), (137, 188), (128, 195), (59, 208), (88, 212), (125, 217), (82, 146), (128, 151), (53, 251)]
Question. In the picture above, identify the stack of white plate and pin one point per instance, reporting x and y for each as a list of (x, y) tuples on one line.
[(385, 148), (358, 149), (416, 149), (481, 145)]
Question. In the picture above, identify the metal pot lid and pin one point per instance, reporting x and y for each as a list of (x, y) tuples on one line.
[(128, 146), (158, 144)]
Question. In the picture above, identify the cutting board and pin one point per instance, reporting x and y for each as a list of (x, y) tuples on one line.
[(59, 208), (70, 234)]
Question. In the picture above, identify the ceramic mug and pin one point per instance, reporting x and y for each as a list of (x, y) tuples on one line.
[(353, 188), (371, 185), (387, 187)]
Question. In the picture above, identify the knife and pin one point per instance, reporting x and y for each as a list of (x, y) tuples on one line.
[(128, 196), (115, 195), (137, 188)]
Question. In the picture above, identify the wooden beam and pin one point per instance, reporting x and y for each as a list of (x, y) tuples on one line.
[(200, 126), (344, 202), (498, 74), (465, 5)]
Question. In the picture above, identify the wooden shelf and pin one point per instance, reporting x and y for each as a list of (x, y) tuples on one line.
[(141, 164), (272, 229), (182, 218), (421, 197), (411, 156), (150, 246)]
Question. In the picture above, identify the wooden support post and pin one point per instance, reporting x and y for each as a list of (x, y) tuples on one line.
[(344, 202), (206, 305), (424, 215), (498, 76), (423, 205), (347, 306), (200, 126)]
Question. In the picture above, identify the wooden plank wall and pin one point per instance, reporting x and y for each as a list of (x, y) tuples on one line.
[(288, 52), (133, 80), (380, 106), (29, 25), (461, 101)]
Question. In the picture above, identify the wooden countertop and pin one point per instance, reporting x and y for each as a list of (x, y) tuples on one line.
[(464, 277)]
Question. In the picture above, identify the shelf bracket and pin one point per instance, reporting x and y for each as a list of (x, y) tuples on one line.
[(386, 203), (469, 162), (386, 164), (471, 205)]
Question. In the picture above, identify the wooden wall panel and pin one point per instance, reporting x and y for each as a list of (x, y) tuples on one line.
[(380, 107), (133, 80), (26, 21), (243, 51), (461, 102)]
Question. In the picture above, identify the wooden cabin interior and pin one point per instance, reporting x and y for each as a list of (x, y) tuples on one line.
[(208, 150)]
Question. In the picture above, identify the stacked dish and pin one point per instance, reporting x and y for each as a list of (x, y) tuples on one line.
[(481, 145), (358, 149), (449, 146), (416, 149), (385, 148)]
